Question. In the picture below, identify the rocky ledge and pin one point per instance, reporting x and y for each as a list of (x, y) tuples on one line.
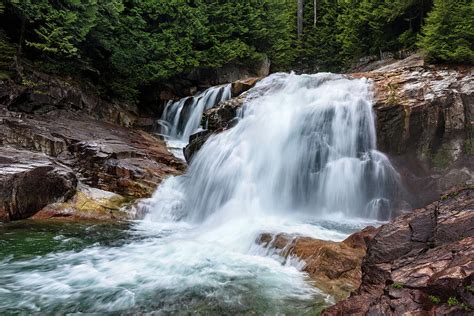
[(421, 263), (60, 143), (335, 267), (425, 117)]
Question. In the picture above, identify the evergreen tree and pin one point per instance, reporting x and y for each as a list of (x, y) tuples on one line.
[(448, 35)]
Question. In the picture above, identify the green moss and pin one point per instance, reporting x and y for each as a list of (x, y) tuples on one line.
[(28, 83), (450, 195), (397, 285), (452, 301), (468, 148), (464, 307), (434, 299), (469, 288), (442, 159)]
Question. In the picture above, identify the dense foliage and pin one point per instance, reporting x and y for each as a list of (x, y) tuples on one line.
[(126, 44), (448, 35)]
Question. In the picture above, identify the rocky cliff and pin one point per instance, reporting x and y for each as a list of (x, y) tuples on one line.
[(56, 133), (425, 117)]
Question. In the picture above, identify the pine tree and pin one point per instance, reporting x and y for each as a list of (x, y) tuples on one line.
[(448, 35)]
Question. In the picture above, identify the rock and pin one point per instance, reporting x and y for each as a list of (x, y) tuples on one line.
[(92, 203), (240, 86), (228, 73), (424, 122), (333, 266), (420, 263), (30, 181), (88, 137), (195, 143), (217, 119), (105, 156), (40, 93)]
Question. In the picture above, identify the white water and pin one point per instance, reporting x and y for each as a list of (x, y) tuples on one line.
[(301, 160), (182, 118), (304, 147)]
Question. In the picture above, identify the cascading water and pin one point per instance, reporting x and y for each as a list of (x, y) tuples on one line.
[(182, 118), (306, 144), (301, 160)]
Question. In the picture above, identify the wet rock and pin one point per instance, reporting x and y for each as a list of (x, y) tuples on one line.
[(424, 122), (333, 266), (217, 119), (240, 86), (421, 262), (105, 156), (92, 203), (30, 181)]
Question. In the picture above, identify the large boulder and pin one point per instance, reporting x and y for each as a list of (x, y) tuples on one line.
[(333, 266), (92, 203), (30, 181), (420, 263)]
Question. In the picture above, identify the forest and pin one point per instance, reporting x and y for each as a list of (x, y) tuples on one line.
[(124, 45)]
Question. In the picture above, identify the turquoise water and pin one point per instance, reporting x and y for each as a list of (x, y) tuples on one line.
[(57, 267)]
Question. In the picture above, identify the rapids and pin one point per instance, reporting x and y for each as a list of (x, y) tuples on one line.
[(302, 159)]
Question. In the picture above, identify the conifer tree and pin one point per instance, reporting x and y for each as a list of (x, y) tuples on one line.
[(448, 35)]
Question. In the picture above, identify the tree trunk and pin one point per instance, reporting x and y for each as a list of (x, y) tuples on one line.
[(315, 11), (300, 18)]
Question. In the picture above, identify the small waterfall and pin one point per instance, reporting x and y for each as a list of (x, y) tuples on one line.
[(182, 118), (305, 145)]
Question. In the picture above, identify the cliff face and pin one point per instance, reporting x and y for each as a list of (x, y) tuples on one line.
[(425, 116), (56, 133)]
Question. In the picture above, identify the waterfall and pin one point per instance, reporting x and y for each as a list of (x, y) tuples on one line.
[(301, 160), (305, 145), (182, 118)]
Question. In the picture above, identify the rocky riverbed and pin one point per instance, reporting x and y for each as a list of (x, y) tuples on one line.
[(65, 152)]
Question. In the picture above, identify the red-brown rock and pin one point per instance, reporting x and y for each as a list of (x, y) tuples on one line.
[(334, 266), (420, 263)]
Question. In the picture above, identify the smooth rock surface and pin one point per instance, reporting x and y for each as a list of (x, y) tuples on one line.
[(30, 181), (333, 266)]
